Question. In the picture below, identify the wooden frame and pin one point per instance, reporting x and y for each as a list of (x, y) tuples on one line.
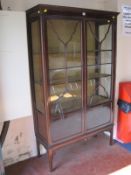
[(42, 122)]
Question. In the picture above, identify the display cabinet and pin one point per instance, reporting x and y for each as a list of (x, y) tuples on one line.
[(72, 70)]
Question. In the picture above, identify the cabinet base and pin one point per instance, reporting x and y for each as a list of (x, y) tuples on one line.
[(51, 150)]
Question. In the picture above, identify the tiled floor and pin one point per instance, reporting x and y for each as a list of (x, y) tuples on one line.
[(92, 157)]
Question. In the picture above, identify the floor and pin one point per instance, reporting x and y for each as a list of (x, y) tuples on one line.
[(92, 157), (126, 146)]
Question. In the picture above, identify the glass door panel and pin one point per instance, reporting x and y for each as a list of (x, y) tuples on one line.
[(57, 61), (37, 65), (57, 76), (64, 55), (99, 35), (105, 36), (99, 73), (98, 117), (99, 91), (65, 100), (64, 45), (102, 57), (61, 76)]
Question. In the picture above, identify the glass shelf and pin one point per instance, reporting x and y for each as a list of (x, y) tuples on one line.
[(61, 76), (98, 71), (99, 57), (97, 99), (65, 105), (65, 98), (57, 60), (97, 75), (62, 68), (106, 50), (64, 82)]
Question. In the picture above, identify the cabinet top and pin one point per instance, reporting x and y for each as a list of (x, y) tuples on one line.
[(69, 11)]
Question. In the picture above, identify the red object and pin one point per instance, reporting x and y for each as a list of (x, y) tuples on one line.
[(124, 119)]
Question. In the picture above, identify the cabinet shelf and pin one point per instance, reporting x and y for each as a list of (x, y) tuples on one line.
[(97, 76), (66, 68), (64, 82), (97, 100), (107, 50), (67, 105), (98, 65), (73, 80)]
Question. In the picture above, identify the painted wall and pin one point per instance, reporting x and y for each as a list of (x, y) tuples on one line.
[(21, 130), (123, 68), (15, 99), (110, 5), (123, 72), (25, 4)]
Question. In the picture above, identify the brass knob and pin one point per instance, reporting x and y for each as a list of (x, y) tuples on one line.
[(83, 13), (38, 11), (45, 10)]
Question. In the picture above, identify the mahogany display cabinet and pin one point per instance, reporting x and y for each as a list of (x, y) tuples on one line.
[(72, 71)]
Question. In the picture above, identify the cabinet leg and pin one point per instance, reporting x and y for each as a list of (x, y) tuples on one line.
[(50, 159), (38, 148), (111, 137)]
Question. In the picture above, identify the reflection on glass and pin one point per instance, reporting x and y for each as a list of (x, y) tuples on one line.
[(64, 54), (99, 71), (106, 57), (99, 61), (94, 57), (91, 34), (65, 99), (105, 36), (99, 35), (56, 61), (98, 117), (39, 97), (99, 45), (99, 91), (64, 43), (37, 65), (60, 76)]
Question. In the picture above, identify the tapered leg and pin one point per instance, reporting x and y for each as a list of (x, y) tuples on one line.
[(111, 137), (38, 148), (50, 159)]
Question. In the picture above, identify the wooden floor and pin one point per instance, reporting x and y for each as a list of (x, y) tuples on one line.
[(92, 157)]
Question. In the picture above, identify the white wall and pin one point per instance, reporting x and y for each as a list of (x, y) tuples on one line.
[(123, 59), (14, 73), (26, 4), (123, 72), (110, 5), (15, 101), (123, 66)]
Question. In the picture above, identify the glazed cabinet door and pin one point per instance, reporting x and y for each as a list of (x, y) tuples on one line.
[(64, 77), (99, 73), (37, 82)]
